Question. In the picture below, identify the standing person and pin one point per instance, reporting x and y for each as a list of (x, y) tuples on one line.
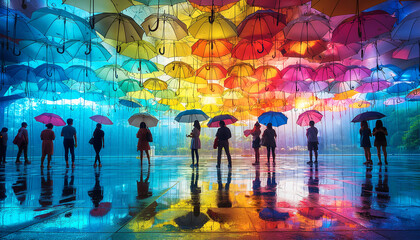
[(69, 132), (195, 142), (223, 134), (98, 143), (22, 141), (365, 135), (269, 137), (143, 144), (380, 134), (312, 136), (47, 137), (256, 132), (3, 145)]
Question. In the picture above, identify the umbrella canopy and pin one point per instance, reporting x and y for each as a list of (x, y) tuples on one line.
[(248, 49), (44, 50), (211, 71), (211, 48), (191, 221), (310, 115), (408, 28), (366, 116), (276, 4), (241, 70), (118, 27), (394, 101), (138, 118), (89, 50), (212, 26), (340, 7), (303, 49), (178, 69), (115, 6), (262, 24), (307, 28), (228, 119), (101, 119), (275, 118), (170, 48), (164, 26), (190, 116), (50, 118)]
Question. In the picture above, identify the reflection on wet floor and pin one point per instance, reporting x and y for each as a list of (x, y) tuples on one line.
[(337, 199)]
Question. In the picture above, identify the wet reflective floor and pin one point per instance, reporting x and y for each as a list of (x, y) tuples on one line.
[(338, 198)]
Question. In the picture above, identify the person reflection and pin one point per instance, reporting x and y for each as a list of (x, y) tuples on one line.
[(20, 186), (382, 189), (46, 197), (270, 191), (366, 212), (2, 183), (313, 185), (144, 184), (69, 191), (256, 187), (96, 194), (223, 200), (195, 192)]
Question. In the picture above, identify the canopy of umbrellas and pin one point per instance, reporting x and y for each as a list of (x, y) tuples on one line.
[(238, 57)]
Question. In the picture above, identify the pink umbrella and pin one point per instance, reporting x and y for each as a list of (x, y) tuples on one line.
[(369, 87), (377, 48), (276, 4), (228, 119), (50, 118), (310, 115), (101, 210), (338, 52), (298, 72), (329, 71), (293, 86), (354, 73), (307, 28), (394, 101), (409, 50), (363, 27), (101, 119)]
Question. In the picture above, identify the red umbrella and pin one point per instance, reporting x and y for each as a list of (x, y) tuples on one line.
[(262, 24), (310, 115), (363, 27), (246, 49), (101, 119), (50, 118), (101, 210), (276, 4), (303, 49), (228, 119), (236, 82)]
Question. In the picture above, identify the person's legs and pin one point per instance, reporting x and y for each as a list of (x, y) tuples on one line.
[(316, 155), (196, 156), (370, 155), (219, 154), (148, 156), (268, 154), (366, 154), (25, 153), (228, 154), (141, 157), (310, 156), (72, 152), (49, 160), (42, 159), (273, 150), (378, 148), (192, 157), (19, 153), (256, 155), (66, 152), (385, 154)]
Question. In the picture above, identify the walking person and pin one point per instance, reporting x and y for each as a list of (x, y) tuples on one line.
[(312, 136), (195, 142), (70, 141), (256, 142), (47, 137), (380, 134), (269, 137), (22, 141), (223, 134), (365, 135), (98, 143), (145, 136), (3, 145)]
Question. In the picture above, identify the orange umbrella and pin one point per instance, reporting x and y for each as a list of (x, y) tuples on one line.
[(247, 49), (305, 49), (211, 48), (241, 70), (267, 72), (212, 88), (211, 71), (236, 82)]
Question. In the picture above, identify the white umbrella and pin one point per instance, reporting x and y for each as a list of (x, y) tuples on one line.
[(138, 118)]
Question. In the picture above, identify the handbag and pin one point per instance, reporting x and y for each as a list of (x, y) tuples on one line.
[(91, 141), (216, 143), (149, 136)]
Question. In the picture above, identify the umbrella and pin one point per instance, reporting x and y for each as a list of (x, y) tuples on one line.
[(81, 73), (366, 116), (192, 221), (249, 49), (293, 86), (44, 50), (338, 51), (241, 70), (409, 50), (329, 71), (275, 118), (303, 49), (262, 24), (414, 95), (129, 85), (118, 27), (51, 72), (155, 84), (16, 25), (138, 50), (178, 69), (141, 94), (236, 82), (341, 87), (310, 115), (394, 101), (129, 102), (21, 73), (50, 118), (211, 71), (115, 6), (354, 73), (360, 104), (276, 4), (377, 48), (166, 94), (273, 215), (267, 72), (211, 48), (169, 49), (164, 26), (401, 87), (228, 119), (101, 210), (212, 26), (340, 7), (298, 72), (111, 73), (190, 116), (140, 66), (307, 28), (408, 28), (368, 87), (138, 118), (101, 119), (212, 88), (87, 50), (53, 86)]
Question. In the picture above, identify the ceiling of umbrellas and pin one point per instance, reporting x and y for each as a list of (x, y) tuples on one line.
[(241, 57)]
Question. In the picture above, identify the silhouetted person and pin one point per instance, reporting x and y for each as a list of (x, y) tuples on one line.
[(256, 142), (223, 199), (70, 141), (21, 185), (269, 137), (195, 142), (97, 193), (380, 134), (98, 143), (382, 189), (3, 145), (46, 197), (223, 134), (312, 136), (22, 141), (47, 137), (2, 183), (145, 136), (365, 135), (68, 195), (143, 185)]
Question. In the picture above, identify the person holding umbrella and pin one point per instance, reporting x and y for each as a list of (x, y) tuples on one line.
[(69, 132), (47, 137), (195, 142), (380, 134), (312, 135), (256, 132), (269, 139), (98, 143), (365, 135), (145, 136), (223, 134)]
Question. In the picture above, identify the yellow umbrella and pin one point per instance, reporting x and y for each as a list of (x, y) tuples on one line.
[(210, 108), (142, 94), (167, 94), (118, 27), (258, 87), (173, 49), (212, 71), (241, 70), (97, 6), (360, 104), (179, 69), (197, 81), (212, 89), (232, 94), (164, 26), (169, 102), (209, 27), (155, 84), (187, 95), (345, 95), (178, 107), (137, 49)]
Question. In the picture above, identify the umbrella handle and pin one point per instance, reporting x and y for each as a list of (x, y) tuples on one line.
[(61, 51), (92, 22), (118, 48), (139, 68), (49, 74), (24, 6), (89, 49), (3, 68), (262, 50), (156, 28), (207, 67), (163, 51), (211, 18), (274, 55), (14, 51)]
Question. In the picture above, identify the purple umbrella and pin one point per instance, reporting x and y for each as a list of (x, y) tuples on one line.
[(50, 118), (366, 116), (298, 72), (369, 87), (409, 50), (329, 71), (276, 4), (310, 115), (228, 119), (101, 119), (394, 101), (354, 73), (293, 86)]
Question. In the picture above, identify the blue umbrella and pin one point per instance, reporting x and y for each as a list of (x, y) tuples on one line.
[(275, 118), (410, 74), (401, 87), (21, 73), (366, 116), (131, 103), (190, 116), (18, 26), (53, 86), (88, 50), (271, 214), (51, 72), (141, 66), (10, 52), (45, 51), (81, 73)]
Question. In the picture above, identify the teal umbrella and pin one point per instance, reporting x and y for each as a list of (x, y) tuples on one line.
[(141, 66), (21, 73), (81, 73), (18, 26), (50, 72), (88, 50), (53, 86), (44, 51)]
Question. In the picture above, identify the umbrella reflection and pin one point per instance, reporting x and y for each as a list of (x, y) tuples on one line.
[(69, 191), (143, 185), (21, 185), (46, 197), (223, 199), (314, 211)]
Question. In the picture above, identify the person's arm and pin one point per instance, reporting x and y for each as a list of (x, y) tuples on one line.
[(62, 132), (53, 138), (275, 134), (374, 131), (42, 137), (370, 133), (385, 131), (229, 133), (103, 140), (75, 140)]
